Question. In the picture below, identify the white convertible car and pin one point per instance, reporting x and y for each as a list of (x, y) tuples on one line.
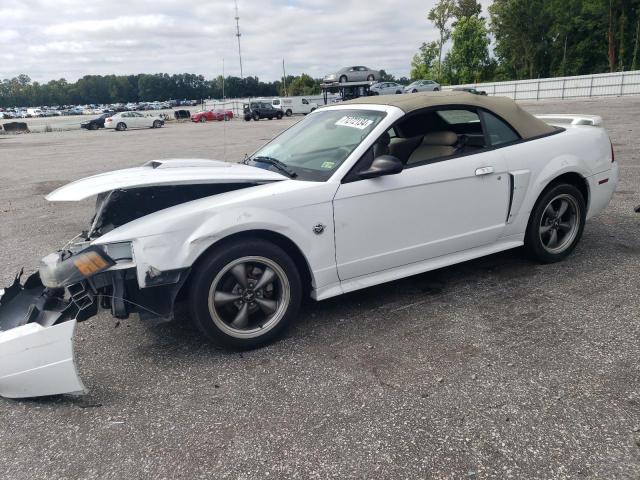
[(353, 195)]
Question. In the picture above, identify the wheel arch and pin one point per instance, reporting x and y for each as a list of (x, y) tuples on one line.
[(282, 241), (572, 178)]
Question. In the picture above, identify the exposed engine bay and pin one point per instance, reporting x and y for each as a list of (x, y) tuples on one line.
[(40, 313)]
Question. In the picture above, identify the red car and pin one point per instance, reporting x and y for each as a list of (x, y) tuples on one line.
[(211, 115)]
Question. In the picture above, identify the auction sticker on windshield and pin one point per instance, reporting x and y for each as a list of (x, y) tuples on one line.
[(354, 122)]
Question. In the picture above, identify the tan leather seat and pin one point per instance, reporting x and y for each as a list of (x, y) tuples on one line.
[(434, 145), (403, 147)]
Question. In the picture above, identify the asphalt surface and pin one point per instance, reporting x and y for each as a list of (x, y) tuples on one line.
[(495, 368)]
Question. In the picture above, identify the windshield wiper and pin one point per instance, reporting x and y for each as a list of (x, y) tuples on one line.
[(278, 164)]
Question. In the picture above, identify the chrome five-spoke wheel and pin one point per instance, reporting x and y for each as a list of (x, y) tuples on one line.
[(249, 296), (560, 223)]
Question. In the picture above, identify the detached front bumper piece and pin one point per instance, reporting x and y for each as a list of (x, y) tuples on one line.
[(37, 361), (37, 324), (36, 348)]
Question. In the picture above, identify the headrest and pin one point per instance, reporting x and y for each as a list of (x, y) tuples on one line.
[(440, 138), (385, 139)]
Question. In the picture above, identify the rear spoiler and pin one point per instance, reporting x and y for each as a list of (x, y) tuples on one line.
[(566, 119)]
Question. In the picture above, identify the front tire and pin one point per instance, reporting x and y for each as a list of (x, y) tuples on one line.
[(203, 119), (371, 78), (279, 116), (246, 294), (157, 124), (343, 79), (256, 116), (556, 223)]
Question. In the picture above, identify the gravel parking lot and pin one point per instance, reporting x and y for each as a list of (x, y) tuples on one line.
[(496, 368)]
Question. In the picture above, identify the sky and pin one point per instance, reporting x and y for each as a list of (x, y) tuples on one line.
[(53, 39)]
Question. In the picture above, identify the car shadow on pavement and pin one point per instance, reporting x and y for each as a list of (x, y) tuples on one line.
[(181, 336)]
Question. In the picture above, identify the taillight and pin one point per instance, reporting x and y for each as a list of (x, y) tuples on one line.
[(613, 154), (108, 119)]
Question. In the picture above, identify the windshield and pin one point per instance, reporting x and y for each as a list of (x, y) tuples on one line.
[(315, 147)]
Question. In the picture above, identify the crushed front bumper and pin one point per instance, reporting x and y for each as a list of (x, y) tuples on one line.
[(38, 317)]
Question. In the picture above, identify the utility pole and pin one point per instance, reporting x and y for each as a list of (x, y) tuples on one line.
[(284, 78), (238, 34)]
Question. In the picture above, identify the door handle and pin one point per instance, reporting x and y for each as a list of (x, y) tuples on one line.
[(484, 171)]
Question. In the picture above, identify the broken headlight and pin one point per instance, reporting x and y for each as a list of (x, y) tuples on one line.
[(62, 269)]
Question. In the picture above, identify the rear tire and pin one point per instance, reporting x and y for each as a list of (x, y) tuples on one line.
[(121, 127), (203, 119), (245, 295), (289, 113), (279, 116), (556, 223), (256, 116), (157, 124)]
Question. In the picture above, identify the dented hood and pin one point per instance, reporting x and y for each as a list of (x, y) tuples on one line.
[(164, 172)]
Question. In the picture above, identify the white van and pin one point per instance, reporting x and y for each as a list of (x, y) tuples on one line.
[(34, 112), (294, 105)]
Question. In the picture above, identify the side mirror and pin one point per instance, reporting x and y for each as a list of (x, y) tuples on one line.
[(383, 165)]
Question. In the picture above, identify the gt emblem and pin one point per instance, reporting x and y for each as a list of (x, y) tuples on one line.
[(318, 229)]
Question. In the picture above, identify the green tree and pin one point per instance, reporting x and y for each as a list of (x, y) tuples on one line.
[(425, 64), (441, 15), (303, 85), (466, 8), (521, 30), (469, 54)]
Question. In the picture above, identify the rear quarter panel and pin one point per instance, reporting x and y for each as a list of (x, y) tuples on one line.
[(584, 150)]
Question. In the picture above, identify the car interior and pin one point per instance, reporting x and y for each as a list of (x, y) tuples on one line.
[(432, 135)]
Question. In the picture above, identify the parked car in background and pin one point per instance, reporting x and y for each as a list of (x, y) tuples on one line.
[(294, 105), (96, 123), (353, 74), (124, 120), (469, 90), (386, 88), (422, 86), (258, 110), (217, 114), (181, 114)]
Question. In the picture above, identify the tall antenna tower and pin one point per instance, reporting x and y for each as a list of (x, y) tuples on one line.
[(238, 34)]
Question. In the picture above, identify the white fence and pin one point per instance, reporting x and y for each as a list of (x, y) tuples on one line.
[(600, 85)]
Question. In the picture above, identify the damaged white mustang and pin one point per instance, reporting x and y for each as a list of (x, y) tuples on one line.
[(354, 195)]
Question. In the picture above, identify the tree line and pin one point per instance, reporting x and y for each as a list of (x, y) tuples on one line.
[(531, 39), (520, 39), (108, 89)]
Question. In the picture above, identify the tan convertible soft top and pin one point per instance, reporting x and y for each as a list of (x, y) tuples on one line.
[(525, 124)]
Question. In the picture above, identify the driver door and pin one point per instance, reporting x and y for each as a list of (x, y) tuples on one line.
[(428, 210)]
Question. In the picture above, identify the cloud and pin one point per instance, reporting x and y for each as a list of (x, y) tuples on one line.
[(72, 38)]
